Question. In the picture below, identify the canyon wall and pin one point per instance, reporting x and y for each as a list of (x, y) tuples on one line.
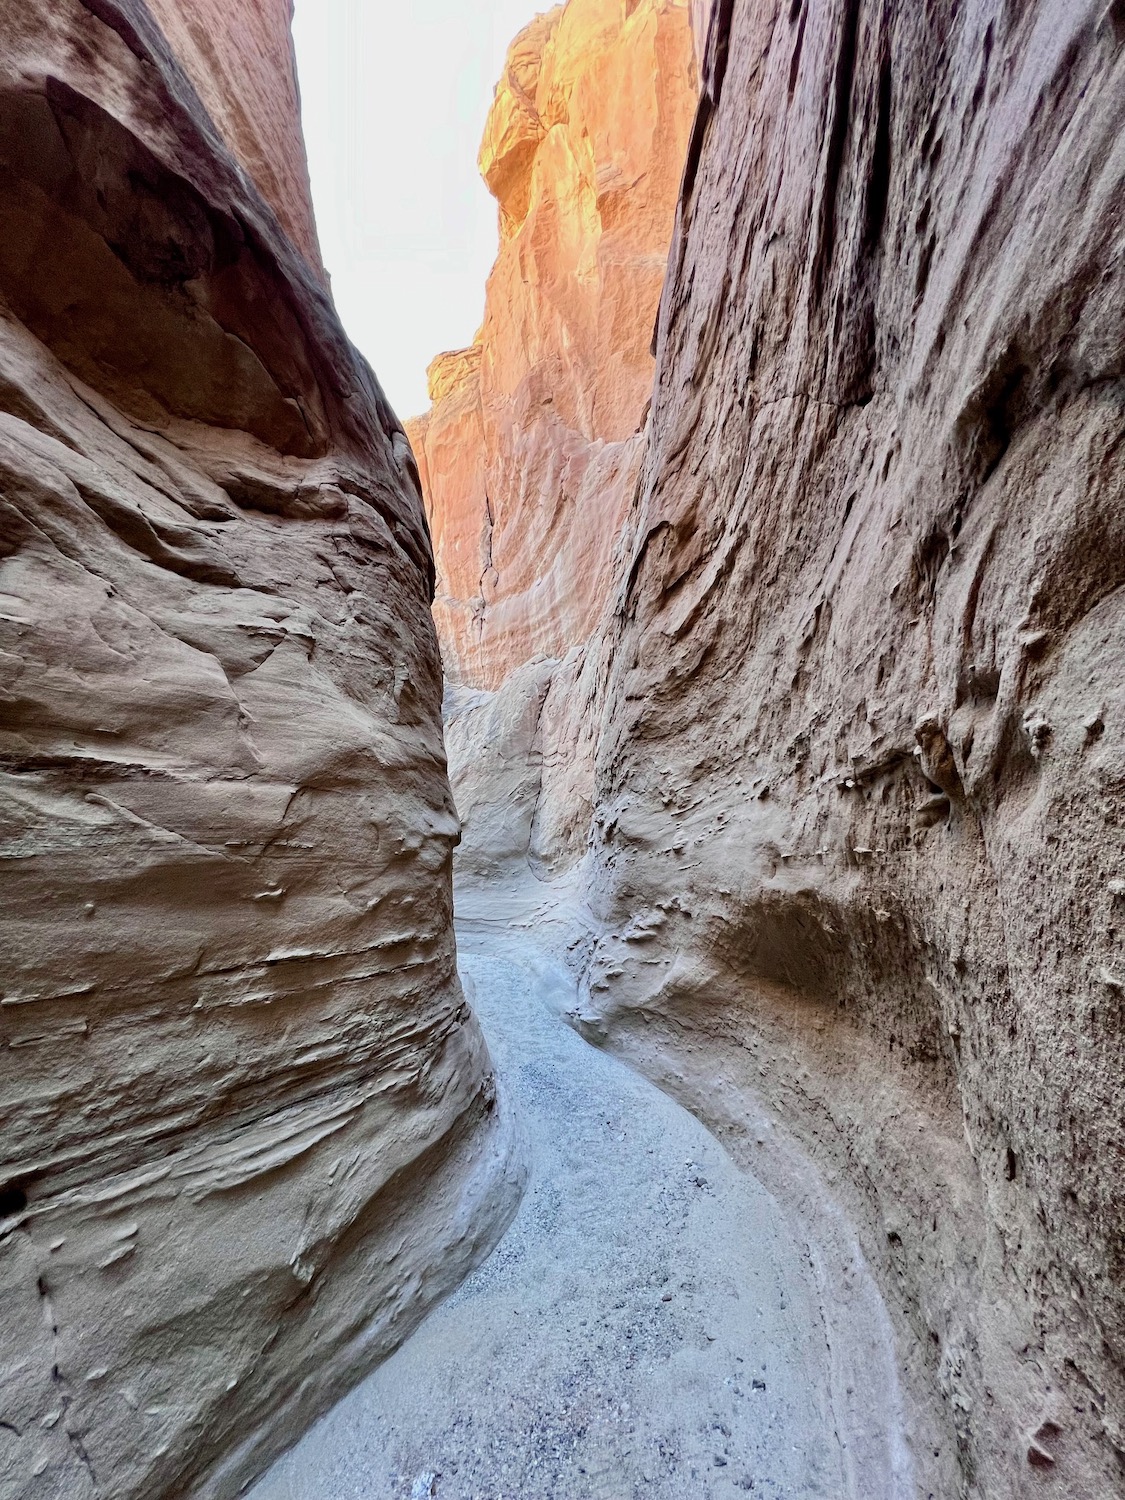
[(249, 1126), (239, 59), (848, 743), (861, 776), (531, 449)]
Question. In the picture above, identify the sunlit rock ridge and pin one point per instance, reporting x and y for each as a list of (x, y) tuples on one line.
[(249, 1126), (841, 769), (531, 448)]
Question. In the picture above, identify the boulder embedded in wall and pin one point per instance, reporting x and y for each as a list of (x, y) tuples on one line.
[(862, 774), (531, 449), (249, 1129)]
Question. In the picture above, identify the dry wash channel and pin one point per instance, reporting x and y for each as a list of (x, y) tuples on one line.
[(653, 1326)]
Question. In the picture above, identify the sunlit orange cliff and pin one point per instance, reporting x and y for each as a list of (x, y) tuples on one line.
[(531, 447)]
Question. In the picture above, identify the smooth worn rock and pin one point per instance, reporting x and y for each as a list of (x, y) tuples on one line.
[(531, 448), (249, 1130), (239, 58), (521, 764)]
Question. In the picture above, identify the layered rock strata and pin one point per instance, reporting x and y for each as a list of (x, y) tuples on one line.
[(531, 449), (249, 1128), (861, 777)]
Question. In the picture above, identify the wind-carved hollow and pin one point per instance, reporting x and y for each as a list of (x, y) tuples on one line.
[(137, 285)]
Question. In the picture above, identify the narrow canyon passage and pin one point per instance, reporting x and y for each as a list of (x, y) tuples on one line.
[(721, 666), (650, 1325)]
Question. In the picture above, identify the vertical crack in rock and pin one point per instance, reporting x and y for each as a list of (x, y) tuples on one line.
[(489, 577), (65, 1397), (835, 142)]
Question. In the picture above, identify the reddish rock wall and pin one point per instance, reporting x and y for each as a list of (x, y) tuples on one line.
[(531, 449)]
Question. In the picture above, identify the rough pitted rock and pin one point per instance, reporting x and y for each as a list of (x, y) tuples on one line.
[(249, 1128), (861, 780), (531, 449)]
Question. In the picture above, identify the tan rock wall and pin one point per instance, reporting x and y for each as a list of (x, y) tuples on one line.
[(239, 58), (529, 458), (861, 779), (248, 1130)]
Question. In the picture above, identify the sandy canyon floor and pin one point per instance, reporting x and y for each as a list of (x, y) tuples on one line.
[(650, 1325)]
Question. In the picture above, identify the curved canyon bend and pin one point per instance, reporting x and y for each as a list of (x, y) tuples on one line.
[(742, 625), (653, 1323)]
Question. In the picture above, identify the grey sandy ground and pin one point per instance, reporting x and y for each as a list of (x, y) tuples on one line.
[(646, 1328)]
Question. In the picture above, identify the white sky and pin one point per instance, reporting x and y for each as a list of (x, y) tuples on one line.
[(394, 96)]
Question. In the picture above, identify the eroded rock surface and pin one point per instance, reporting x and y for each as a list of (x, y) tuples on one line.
[(856, 701), (249, 1130), (239, 58), (861, 784), (531, 449)]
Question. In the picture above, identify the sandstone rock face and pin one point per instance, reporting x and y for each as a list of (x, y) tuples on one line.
[(861, 780), (494, 743), (240, 61), (249, 1128), (530, 452)]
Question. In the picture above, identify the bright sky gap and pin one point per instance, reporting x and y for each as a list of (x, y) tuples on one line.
[(394, 103)]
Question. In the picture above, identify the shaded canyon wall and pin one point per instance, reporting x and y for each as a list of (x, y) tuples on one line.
[(861, 782), (249, 1125), (851, 725), (239, 59)]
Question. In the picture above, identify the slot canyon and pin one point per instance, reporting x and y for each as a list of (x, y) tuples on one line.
[(571, 945)]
